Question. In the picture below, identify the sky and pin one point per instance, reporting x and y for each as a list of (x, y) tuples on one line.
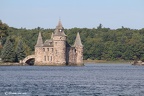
[(73, 13)]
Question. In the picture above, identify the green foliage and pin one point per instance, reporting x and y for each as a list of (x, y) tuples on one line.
[(99, 43), (8, 53), (20, 52), (3, 29)]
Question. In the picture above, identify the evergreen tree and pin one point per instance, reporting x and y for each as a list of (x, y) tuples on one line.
[(8, 54), (20, 51), (100, 26)]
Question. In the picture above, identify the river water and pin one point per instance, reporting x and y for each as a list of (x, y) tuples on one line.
[(89, 80)]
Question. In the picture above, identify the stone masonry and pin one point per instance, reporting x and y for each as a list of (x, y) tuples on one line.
[(56, 51)]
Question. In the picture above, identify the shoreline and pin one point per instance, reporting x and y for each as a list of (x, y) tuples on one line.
[(10, 64), (108, 62), (85, 61)]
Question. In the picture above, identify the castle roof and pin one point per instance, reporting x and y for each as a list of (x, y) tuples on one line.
[(77, 41), (39, 41), (59, 29), (48, 43)]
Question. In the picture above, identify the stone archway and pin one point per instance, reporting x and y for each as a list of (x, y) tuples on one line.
[(28, 60)]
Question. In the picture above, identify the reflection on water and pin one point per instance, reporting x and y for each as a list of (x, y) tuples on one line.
[(89, 80)]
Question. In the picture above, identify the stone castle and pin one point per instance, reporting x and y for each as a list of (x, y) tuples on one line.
[(57, 51)]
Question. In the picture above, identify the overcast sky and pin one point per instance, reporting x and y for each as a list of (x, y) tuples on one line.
[(73, 13)]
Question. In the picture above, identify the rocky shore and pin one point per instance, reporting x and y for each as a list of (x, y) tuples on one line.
[(138, 63)]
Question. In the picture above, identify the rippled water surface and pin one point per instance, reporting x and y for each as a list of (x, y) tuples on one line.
[(89, 80)]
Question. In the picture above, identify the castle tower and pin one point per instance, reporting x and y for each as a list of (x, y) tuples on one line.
[(79, 50), (39, 50), (56, 51), (59, 41)]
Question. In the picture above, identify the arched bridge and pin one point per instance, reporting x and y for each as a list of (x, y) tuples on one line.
[(27, 59)]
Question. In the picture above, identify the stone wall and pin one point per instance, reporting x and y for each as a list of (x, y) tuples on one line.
[(38, 55), (48, 55), (71, 56), (79, 55), (60, 50)]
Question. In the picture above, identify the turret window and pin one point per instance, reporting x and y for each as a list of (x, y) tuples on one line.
[(44, 49), (60, 30)]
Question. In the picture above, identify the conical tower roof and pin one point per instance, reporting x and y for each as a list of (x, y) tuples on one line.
[(59, 24), (52, 36), (59, 29), (39, 41), (78, 40)]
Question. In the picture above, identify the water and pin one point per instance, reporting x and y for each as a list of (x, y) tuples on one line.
[(89, 80)]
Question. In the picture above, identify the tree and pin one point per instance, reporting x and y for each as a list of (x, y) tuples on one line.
[(20, 51), (3, 29), (8, 54), (99, 43), (100, 26)]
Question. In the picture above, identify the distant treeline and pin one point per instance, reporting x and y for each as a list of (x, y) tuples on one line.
[(99, 43)]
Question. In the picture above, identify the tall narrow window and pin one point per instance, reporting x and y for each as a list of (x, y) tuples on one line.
[(47, 49), (52, 49), (48, 58), (51, 58), (44, 58)]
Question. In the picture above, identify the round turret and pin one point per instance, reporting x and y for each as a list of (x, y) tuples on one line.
[(59, 41)]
